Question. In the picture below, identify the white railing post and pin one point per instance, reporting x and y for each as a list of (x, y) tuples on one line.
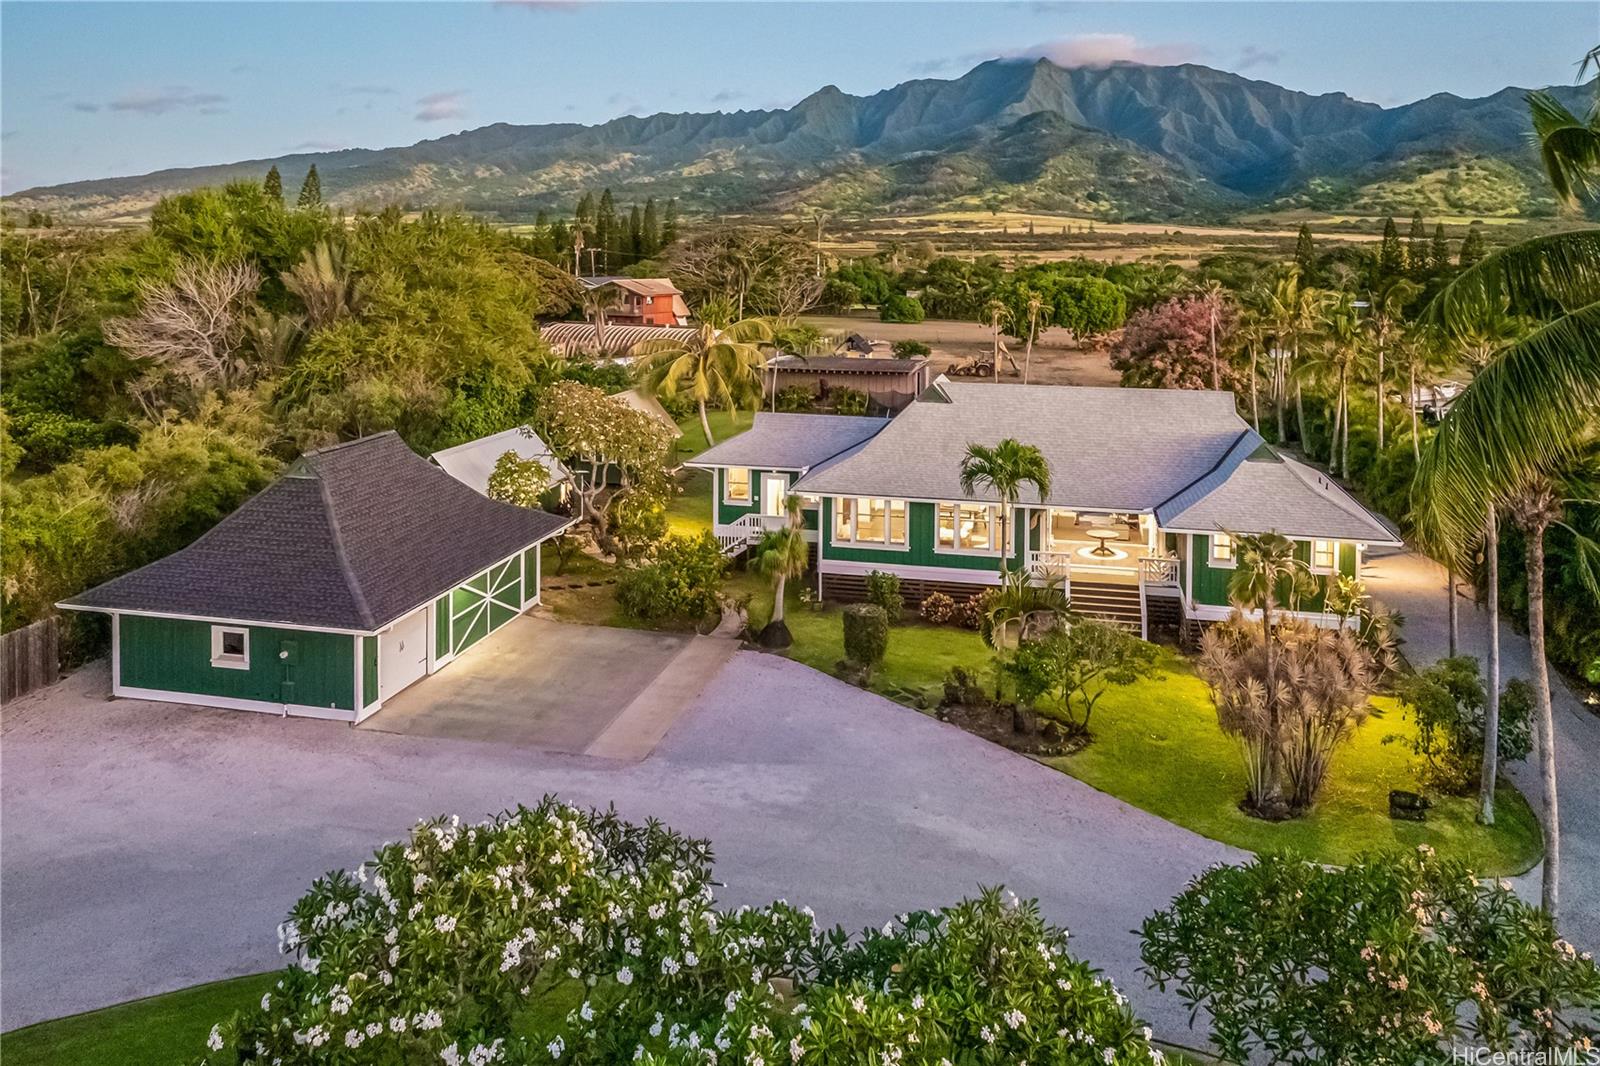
[(1144, 613)]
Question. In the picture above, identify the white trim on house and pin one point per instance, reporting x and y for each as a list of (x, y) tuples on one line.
[(218, 621), (953, 574), (1205, 612), (223, 659), (1291, 536), (228, 703), (749, 487)]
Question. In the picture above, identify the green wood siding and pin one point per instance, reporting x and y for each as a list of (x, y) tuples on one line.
[(732, 512), (480, 606), (1211, 582), (369, 671), (919, 549), (172, 655)]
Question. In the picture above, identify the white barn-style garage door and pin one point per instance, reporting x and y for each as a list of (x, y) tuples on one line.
[(403, 653)]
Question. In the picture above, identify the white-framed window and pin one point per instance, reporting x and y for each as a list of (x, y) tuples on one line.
[(230, 647), (736, 485), (865, 520), (1325, 556), (1221, 550), (968, 527)]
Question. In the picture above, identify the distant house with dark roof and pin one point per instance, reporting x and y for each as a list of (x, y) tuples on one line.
[(360, 571), (642, 301), (1148, 490), (889, 383)]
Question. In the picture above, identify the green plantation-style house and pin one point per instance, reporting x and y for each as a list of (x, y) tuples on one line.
[(1148, 489), (362, 570)]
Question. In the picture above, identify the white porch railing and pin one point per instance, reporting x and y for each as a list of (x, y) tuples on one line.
[(746, 530), (1158, 572)]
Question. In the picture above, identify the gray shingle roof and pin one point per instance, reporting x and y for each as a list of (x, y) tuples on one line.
[(1265, 492), (1109, 449), (352, 537), (790, 441)]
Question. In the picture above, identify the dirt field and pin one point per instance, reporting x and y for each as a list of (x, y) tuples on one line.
[(1056, 360)]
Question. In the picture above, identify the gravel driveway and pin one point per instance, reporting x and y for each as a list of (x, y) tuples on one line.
[(148, 847)]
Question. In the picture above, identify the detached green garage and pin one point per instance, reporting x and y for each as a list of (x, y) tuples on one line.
[(362, 570)]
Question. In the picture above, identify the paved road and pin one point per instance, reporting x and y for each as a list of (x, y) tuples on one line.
[(1415, 586), (149, 847)]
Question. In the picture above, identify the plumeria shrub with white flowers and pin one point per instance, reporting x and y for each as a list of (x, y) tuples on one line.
[(445, 949), (1385, 961)]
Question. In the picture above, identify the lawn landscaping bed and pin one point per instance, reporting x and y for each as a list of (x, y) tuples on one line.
[(1156, 745)]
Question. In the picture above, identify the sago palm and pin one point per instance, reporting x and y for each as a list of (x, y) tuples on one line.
[(1004, 470), (723, 365)]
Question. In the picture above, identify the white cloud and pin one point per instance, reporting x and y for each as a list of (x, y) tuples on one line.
[(1107, 49), (437, 107), (1253, 56), (164, 101)]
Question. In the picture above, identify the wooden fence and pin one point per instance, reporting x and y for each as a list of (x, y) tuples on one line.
[(30, 658)]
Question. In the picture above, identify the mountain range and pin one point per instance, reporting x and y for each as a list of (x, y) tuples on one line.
[(1124, 141)]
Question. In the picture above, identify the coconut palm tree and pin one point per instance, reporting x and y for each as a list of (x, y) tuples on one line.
[(713, 364), (1254, 332), (1212, 296), (1004, 470), (780, 555), (1530, 414), (1035, 306), (1384, 307), (994, 313), (1338, 360), (596, 303)]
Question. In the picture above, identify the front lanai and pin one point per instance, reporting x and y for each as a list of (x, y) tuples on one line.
[(1148, 489)]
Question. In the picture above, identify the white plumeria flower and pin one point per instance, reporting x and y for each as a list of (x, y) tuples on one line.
[(214, 1040), (624, 976)]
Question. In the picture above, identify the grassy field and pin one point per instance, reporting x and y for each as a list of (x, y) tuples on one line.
[(724, 424), (1157, 746)]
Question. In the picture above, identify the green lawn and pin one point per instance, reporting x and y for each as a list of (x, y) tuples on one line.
[(163, 1030), (146, 1032), (724, 424), (689, 512), (1157, 746)]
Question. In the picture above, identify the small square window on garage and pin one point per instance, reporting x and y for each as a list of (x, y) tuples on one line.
[(230, 648)]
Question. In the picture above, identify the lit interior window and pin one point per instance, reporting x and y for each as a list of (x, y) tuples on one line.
[(1324, 554), (738, 484), (1222, 548)]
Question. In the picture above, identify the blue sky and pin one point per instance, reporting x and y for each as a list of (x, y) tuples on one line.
[(98, 89)]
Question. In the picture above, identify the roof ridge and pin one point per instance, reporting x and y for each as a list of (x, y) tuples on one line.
[(354, 586), (1226, 453), (368, 439)]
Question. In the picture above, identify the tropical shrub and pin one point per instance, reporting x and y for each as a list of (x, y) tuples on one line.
[(1387, 960), (1168, 346), (795, 398), (866, 634), (883, 589), (898, 308), (1077, 664), (1290, 699), (938, 608), (1447, 702), (441, 947), (518, 480), (848, 401), (679, 582), (910, 349)]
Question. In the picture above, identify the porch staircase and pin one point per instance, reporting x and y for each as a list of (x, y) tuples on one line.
[(1112, 602)]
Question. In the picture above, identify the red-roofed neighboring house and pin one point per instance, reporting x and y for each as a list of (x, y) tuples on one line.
[(643, 301)]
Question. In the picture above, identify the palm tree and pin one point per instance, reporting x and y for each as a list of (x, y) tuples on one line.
[(596, 302), (1004, 469), (1531, 412), (780, 555), (1265, 565), (994, 313), (713, 364), (1337, 362), (1254, 330), (1035, 305), (324, 283), (1212, 296), (1383, 314), (1569, 146), (1416, 357)]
